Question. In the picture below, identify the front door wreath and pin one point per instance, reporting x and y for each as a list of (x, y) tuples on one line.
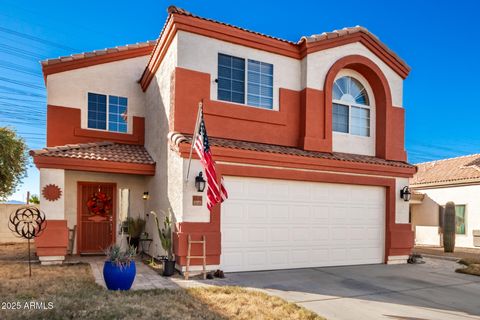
[(99, 204)]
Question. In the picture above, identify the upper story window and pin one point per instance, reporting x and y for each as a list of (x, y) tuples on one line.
[(233, 86), (107, 112), (351, 107)]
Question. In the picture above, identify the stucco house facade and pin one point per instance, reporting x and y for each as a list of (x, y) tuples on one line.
[(308, 136), (454, 179)]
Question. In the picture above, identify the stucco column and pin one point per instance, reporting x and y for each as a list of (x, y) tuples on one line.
[(52, 244), (402, 236)]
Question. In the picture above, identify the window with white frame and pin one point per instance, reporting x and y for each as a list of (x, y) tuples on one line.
[(237, 80), (351, 107), (107, 112)]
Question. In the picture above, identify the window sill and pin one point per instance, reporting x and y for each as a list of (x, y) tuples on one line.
[(244, 105), (103, 134), (350, 135)]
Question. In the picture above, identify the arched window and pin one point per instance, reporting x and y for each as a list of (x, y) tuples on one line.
[(351, 107)]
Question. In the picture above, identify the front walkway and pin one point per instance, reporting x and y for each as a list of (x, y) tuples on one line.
[(146, 278)]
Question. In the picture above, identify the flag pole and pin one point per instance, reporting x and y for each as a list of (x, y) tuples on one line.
[(194, 137)]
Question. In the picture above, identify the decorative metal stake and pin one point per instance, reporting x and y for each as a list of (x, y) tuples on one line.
[(28, 223)]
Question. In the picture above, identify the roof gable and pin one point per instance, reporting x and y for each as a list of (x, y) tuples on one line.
[(180, 19)]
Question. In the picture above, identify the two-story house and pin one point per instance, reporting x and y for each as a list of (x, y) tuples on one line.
[(308, 136)]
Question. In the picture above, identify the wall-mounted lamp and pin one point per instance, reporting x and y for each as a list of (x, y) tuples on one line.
[(200, 182), (405, 194), (145, 195)]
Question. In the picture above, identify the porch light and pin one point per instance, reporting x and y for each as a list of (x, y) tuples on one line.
[(405, 194), (200, 182), (145, 195)]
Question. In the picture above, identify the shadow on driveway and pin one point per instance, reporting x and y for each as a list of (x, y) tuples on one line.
[(424, 291)]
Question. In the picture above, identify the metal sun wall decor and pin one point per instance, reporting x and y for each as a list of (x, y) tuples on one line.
[(27, 222), (51, 192)]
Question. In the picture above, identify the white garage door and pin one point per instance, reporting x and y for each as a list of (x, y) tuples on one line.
[(277, 224)]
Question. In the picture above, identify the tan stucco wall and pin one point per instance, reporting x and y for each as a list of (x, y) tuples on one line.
[(157, 107), (426, 213), (119, 78), (318, 63), (466, 195), (5, 234), (425, 222)]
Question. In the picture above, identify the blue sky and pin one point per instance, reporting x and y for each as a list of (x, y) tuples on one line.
[(438, 39)]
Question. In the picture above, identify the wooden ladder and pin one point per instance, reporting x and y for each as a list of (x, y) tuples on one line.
[(203, 242)]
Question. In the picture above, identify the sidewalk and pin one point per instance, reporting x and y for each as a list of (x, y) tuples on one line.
[(460, 253)]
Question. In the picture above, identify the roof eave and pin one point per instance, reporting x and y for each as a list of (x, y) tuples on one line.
[(50, 162)]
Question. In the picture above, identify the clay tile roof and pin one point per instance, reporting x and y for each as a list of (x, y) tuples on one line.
[(337, 33), (454, 170), (178, 138), (177, 10), (83, 55), (101, 151), (348, 31)]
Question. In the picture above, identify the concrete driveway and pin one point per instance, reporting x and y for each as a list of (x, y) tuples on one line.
[(430, 291)]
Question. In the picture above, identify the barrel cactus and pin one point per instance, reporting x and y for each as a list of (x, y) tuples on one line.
[(449, 227)]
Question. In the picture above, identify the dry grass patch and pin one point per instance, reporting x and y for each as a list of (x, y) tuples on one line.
[(242, 304), (16, 251), (75, 295), (472, 266)]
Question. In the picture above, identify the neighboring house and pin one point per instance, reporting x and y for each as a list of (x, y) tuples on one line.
[(308, 135), (457, 180)]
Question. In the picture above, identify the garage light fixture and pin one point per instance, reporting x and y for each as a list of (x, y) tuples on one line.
[(405, 194), (200, 182)]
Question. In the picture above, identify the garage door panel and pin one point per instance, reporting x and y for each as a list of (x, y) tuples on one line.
[(278, 213), (279, 191), (233, 212), (298, 193), (299, 212), (257, 190), (257, 213), (279, 235), (279, 257), (274, 224)]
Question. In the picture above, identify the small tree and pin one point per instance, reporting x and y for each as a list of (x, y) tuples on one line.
[(34, 199), (13, 161)]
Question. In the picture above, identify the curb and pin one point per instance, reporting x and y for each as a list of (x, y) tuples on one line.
[(432, 256)]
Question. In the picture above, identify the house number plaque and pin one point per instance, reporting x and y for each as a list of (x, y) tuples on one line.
[(197, 200)]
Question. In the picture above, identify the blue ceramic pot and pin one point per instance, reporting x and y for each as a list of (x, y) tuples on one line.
[(119, 278)]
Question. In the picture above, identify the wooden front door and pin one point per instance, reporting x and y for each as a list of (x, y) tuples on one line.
[(96, 223)]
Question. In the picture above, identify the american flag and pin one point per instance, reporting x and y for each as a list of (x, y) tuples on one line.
[(215, 193)]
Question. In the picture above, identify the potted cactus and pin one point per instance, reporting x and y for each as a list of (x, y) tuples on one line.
[(135, 228), (449, 226), (165, 235), (119, 269)]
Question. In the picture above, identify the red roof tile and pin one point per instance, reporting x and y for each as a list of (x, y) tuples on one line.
[(83, 55), (448, 171), (101, 151), (177, 10), (178, 138)]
